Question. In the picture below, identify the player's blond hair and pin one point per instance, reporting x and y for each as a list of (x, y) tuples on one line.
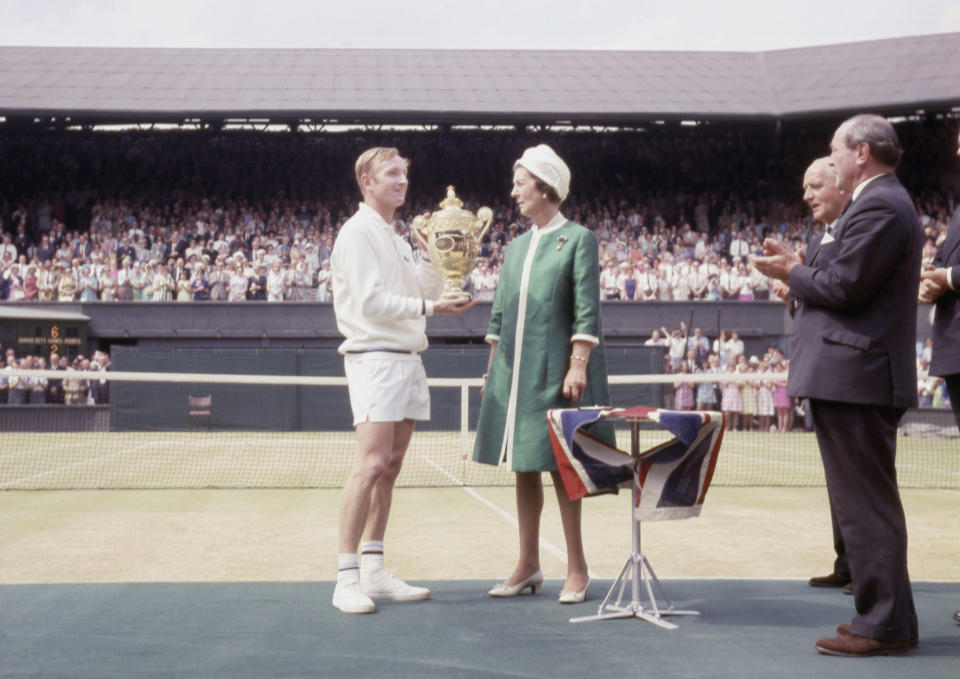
[(370, 158)]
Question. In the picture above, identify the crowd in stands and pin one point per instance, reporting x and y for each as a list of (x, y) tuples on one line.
[(931, 390), (75, 388), (192, 217), (758, 404)]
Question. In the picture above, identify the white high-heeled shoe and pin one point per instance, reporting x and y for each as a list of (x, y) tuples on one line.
[(534, 582), (568, 597)]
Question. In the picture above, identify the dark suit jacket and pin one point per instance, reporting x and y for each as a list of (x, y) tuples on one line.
[(946, 322), (855, 328), (813, 247)]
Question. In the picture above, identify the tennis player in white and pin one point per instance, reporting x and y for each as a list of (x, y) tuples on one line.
[(381, 298)]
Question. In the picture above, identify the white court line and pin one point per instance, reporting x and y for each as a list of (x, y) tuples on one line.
[(38, 451), (81, 463), (508, 517)]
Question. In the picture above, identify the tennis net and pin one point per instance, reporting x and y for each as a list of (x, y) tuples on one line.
[(146, 430)]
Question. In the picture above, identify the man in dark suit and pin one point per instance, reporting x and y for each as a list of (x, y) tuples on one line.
[(826, 200), (940, 284), (853, 355)]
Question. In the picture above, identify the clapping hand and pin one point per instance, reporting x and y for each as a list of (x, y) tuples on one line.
[(933, 283), (781, 291), (777, 261)]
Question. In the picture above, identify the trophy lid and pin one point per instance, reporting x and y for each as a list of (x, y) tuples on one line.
[(451, 201)]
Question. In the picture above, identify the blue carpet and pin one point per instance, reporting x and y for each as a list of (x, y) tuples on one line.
[(237, 630)]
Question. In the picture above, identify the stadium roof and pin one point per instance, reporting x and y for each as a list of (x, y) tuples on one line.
[(895, 76)]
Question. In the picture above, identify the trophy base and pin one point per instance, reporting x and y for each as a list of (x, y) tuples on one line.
[(453, 290), (460, 296)]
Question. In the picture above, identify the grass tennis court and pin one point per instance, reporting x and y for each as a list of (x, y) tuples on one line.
[(434, 534), (237, 582), (197, 513), (82, 460)]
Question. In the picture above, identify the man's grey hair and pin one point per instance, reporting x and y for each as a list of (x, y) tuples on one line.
[(878, 134)]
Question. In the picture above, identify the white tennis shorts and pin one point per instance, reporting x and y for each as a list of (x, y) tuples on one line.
[(386, 387)]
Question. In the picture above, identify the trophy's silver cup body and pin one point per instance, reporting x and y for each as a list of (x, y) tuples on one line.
[(452, 239)]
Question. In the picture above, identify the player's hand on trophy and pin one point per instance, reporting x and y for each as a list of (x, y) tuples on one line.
[(453, 307), (416, 229)]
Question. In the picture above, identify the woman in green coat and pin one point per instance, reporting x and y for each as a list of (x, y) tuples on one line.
[(545, 352)]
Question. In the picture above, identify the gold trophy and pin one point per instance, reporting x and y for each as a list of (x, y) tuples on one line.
[(451, 238)]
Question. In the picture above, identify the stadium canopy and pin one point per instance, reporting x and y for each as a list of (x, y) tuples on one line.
[(83, 86)]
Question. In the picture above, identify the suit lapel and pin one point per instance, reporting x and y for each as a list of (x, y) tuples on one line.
[(813, 249)]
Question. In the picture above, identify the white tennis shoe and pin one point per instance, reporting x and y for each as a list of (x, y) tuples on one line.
[(349, 598), (381, 584)]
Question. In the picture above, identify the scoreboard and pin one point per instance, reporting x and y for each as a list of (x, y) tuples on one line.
[(42, 332), (51, 337)]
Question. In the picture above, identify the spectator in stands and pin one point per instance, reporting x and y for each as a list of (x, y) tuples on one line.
[(677, 346), (199, 286), (108, 279), (276, 281), (699, 344), (324, 282), (8, 251), (764, 388), (47, 282), (67, 283), (163, 286), (608, 280), (184, 288), (627, 281), (257, 290), (88, 283), (37, 386), (748, 392), (683, 397), (237, 282), (732, 403), (13, 284), (707, 391), (30, 284), (124, 284), (782, 403), (9, 362), (218, 279), (656, 340), (926, 384), (721, 347), (17, 384), (735, 346)]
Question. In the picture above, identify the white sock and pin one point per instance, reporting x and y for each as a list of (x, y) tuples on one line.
[(371, 555), (348, 572)]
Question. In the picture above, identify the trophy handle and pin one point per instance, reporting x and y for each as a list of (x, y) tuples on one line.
[(417, 226), (485, 217)]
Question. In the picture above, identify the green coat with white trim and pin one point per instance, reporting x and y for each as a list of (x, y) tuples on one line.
[(556, 288)]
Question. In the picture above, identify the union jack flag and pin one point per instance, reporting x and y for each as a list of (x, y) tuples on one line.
[(672, 477)]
